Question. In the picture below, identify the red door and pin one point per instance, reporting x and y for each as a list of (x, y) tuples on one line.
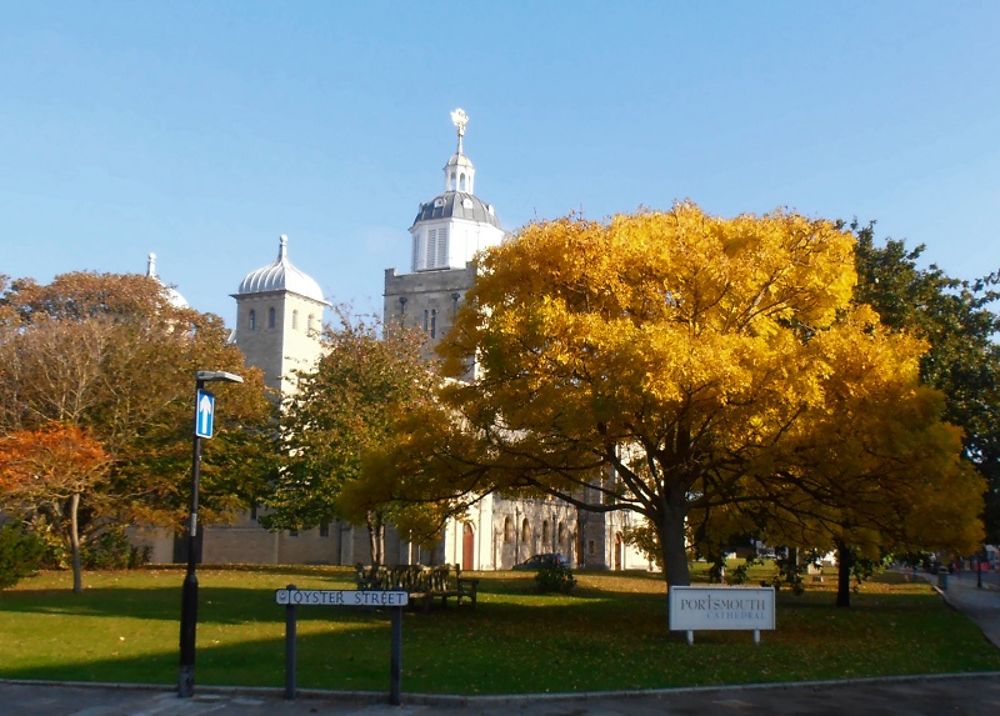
[(468, 546)]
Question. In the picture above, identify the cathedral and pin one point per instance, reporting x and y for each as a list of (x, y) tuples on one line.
[(279, 317)]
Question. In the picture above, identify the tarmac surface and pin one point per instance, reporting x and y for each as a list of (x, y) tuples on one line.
[(972, 694)]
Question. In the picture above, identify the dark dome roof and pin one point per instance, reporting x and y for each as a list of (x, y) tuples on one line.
[(459, 205)]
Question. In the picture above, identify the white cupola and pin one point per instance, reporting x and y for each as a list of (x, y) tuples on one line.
[(281, 275), (460, 172), (452, 227)]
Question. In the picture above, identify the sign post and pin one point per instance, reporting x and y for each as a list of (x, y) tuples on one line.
[(292, 598), (204, 423)]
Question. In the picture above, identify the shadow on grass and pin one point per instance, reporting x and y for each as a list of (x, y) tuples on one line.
[(506, 645), (336, 572)]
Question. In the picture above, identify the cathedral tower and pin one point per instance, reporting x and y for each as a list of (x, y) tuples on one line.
[(446, 234), (279, 320)]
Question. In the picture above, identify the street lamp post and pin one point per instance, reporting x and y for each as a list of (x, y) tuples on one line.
[(203, 424)]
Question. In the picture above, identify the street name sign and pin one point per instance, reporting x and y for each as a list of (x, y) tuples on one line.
[(340, 598), (204, 414), (291, 598)]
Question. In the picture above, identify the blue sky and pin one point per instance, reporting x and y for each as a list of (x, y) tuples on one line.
[(203, 130)]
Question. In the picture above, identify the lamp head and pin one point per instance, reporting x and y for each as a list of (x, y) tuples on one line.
[(208, 376)]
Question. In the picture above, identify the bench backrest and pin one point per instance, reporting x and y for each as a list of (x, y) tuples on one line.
[(408, 577)]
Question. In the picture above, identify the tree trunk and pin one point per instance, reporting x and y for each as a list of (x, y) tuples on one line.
[(74, 542), (376, 537), (675, 565), (845, 560)]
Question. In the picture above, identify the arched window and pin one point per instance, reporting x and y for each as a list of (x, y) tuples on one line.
[(561, 532), (295, 320), (461, 181), (434, 322), (310, 325), (525, 531), (252, 320), (545, 533), (451, 184), (508, 530), (271, 317)]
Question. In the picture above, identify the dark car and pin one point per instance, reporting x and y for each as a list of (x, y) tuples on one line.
[(547, 560)]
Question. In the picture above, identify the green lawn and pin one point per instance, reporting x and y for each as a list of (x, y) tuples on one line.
[(610, 634)]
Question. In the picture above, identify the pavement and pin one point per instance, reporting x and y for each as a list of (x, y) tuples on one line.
[(980, 603), (972, 694)]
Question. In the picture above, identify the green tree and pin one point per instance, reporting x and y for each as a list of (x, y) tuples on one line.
[(956, 318), (21, 553), (341, 415)]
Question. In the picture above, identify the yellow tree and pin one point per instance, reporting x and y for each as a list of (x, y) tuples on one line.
[(49, 471), (662, 361), (874, 468)]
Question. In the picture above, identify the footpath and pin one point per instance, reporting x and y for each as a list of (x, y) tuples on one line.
[(981, 604), (972, 694)]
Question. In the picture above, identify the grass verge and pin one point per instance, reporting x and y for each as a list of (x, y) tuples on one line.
[(609, 634)]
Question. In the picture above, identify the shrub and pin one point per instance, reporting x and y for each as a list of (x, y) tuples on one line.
[(20, 555), (554, 579), (112, 550)]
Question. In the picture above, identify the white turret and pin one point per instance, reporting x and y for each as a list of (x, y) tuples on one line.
[(450, 228)]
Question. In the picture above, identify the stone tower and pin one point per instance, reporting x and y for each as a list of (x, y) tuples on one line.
[(279, 320)]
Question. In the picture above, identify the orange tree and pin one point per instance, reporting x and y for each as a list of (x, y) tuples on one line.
[(49, 471), (667, 363), (111, 355)]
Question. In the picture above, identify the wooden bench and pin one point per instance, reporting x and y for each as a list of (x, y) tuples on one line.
[(424, 584)]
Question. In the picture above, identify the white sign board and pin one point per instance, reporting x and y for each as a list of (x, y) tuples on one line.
[(712, 608), (340, 598)]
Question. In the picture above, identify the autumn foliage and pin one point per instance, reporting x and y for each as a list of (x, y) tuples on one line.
[(111, 356), (703, 372), (49, 472)]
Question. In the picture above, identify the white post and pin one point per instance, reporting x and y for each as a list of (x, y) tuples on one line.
[(756, 636), (690, 635)]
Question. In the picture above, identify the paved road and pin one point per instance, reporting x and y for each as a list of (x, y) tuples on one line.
[(973, 695), (956, 694)]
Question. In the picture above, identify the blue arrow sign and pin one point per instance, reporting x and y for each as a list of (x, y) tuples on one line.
[(204, 414)]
